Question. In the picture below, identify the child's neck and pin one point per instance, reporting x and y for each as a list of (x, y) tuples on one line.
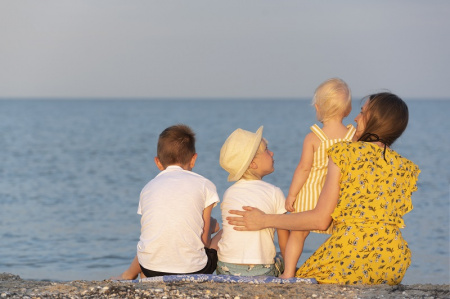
[(185, 167), (333, 122), (253, 179)]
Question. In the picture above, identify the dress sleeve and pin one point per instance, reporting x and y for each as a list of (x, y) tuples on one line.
[(408, 186), (415, 171), (340, 154)]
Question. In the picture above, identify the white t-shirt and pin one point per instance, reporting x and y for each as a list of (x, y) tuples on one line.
[(250, 247), (172, 207)]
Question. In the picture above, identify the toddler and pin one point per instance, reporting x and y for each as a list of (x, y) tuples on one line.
[(332, 102)]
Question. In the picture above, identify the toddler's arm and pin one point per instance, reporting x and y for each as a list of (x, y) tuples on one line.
[(302, 171)]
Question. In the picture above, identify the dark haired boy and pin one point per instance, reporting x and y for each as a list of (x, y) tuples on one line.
[(176, 205)]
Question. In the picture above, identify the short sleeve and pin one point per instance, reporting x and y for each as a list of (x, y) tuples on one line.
[(409, 186), (415, 171), (211, 196), (340, 154), (139, 210), (280, 207)]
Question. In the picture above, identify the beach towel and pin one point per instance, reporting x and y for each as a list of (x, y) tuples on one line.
[(224, 279)]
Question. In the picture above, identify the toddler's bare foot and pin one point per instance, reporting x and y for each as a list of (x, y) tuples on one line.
[(285, 276)]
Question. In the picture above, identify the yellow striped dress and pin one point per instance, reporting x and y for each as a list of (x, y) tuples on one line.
[(309, 194)]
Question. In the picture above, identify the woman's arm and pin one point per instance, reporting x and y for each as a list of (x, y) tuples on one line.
[(317, 219), (283, 236)]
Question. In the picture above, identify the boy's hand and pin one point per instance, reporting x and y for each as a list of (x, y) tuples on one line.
[(289, 204)]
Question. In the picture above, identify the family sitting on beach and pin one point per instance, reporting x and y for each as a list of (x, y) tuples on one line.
[(349, 183)]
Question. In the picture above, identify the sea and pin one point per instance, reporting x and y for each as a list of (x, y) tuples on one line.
[(72, 169)]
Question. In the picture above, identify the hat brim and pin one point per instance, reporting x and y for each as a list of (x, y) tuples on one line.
[(249, 158)]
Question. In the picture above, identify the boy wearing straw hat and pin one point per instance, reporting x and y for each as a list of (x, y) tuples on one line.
[(176, 205), (246, 158)]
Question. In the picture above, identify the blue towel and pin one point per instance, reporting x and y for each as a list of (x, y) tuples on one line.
[(224, 278)]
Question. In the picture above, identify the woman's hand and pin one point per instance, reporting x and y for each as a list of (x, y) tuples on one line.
[(252, 219)]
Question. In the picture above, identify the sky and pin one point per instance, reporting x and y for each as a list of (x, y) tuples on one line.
[(222, 49)]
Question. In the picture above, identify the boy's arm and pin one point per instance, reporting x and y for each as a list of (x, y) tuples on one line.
[(283, 236), (302, 171), (206, 236)]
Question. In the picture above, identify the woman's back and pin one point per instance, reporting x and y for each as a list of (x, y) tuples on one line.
[(366, 246), (374, 189)]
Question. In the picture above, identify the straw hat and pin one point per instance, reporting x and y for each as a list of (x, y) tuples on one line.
[(238, 151)]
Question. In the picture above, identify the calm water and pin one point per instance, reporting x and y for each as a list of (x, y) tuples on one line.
[(71, 173)]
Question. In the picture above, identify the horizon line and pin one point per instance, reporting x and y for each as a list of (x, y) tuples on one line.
[(203, 98)]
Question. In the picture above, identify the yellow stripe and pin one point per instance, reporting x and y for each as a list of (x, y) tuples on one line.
[(308, 196)]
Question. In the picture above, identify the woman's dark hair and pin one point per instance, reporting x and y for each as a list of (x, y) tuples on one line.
[(386, 117)]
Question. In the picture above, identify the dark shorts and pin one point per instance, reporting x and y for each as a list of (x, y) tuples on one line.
[(208, 269)]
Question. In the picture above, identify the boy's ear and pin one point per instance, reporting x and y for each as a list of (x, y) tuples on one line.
[(253, 165), (193, 159), (159, 164)]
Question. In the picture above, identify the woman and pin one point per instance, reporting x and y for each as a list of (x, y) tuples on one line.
[(366, 193)]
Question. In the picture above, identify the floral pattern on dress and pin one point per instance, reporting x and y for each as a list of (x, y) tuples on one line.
[(366, 245)]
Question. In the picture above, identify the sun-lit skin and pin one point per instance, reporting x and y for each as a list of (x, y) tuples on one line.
[(264, 161), (360, 121)]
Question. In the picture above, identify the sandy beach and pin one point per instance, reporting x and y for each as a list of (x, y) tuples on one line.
[(12, 286)]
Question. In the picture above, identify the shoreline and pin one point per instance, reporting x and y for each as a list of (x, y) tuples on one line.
[(12, 286)]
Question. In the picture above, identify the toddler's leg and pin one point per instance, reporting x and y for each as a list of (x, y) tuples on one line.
[(294, 248)]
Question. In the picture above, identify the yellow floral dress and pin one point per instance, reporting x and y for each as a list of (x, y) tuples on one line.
[(366, 245)]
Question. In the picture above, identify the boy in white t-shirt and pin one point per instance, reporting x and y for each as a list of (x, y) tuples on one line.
[(176, 205), (251, 253)]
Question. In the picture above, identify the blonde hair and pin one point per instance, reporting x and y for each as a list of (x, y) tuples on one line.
[(333, 99), (249, 174)]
